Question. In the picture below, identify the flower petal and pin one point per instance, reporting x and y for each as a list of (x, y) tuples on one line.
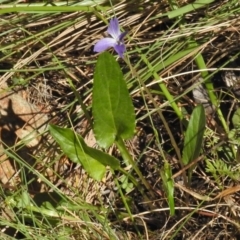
[(122, 35), (104, 44), (120, 49), (113, 28)]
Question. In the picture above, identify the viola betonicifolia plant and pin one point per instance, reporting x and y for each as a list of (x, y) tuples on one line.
[(115, 41)]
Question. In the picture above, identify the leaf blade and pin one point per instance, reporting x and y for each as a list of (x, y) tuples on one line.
[(73, 145), (113, 111), (194, 135)]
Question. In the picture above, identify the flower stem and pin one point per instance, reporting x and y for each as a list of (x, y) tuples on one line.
[(129, 161)]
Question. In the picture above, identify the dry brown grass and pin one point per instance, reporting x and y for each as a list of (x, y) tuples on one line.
[(203, 212)]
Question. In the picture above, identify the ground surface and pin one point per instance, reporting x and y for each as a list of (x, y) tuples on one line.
[(208, 208)]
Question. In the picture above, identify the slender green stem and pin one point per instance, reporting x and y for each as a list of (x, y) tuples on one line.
[(209, 86), (76, 93), (128, 159), (124, 199), (48, 9), (163, 87), (138, 186), (159, 111)]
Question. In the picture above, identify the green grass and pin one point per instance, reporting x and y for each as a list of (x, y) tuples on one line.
[(47, 58)]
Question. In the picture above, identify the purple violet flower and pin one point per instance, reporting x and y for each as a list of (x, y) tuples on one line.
[(116, 40)]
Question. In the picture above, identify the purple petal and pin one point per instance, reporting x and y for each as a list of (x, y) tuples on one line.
[(122, 35), (104, 44), (113, 28), (120, 49)]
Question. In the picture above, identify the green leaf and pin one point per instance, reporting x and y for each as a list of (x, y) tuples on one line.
[(113, 111), (24, 200), (189, 8), (194, 135), (168, 184), (92, 160), (236, 119)]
